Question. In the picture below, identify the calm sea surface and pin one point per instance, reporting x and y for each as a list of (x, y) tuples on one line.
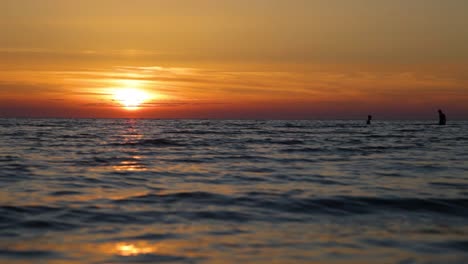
[(204, 191)]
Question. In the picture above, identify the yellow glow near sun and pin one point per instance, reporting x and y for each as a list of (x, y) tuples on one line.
[(131, 98)]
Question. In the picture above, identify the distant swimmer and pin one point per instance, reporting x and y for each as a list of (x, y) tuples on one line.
[(369, 118), (442, 118)]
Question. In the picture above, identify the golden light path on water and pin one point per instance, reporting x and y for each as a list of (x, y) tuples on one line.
[(131, 164), (129, 249)]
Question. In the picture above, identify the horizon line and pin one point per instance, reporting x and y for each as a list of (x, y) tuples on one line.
[(236, 119)]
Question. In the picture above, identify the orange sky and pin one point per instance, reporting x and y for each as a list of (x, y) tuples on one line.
[(234, 59)]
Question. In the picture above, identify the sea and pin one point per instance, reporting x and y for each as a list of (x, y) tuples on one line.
[(233, 191)]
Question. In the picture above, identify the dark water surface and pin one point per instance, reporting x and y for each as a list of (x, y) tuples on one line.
[(202, 191)]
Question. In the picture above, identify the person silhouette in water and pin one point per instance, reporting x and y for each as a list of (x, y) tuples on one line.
[(442, 118), (369, 118)]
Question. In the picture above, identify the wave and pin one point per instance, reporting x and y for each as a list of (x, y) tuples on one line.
[(180, 207), (64, 193), (28, 254), (159, 142), (304, 150), (459, 186), (269, 141), (146, 237), (340, 205), (151, 258)]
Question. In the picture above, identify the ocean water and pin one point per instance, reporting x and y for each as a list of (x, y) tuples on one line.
[(211, 191)]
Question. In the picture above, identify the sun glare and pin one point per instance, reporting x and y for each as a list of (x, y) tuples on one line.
[(131, 98)]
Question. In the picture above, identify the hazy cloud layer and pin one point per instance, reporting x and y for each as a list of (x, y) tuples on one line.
[(180, 87)]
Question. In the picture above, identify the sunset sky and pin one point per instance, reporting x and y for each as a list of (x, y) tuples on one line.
[(279, 59)]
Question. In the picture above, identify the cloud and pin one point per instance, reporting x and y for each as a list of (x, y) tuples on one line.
[(85, 52), (24, 88), (181, 86)]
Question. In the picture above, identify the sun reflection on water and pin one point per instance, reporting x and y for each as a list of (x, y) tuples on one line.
[(128, 249), (132, 164)]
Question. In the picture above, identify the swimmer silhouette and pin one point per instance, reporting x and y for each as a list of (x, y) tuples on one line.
[(442, 118), (369, 118)]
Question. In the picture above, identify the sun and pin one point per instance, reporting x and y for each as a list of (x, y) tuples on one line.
[(131, 98)]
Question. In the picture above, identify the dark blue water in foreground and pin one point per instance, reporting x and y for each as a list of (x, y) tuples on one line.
[(160, 191)]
